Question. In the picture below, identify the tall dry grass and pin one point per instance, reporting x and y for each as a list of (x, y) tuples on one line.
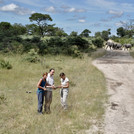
[(18, 111)]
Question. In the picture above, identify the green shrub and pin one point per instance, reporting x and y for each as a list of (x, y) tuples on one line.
[(43, 48), (35, 39), (5, 64), (91, 48), (55, 42), (78, 41), (74, 51), (77, 54), (32, 56), (98, 42)]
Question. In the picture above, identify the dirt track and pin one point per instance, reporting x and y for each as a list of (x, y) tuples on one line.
[(118, 68)]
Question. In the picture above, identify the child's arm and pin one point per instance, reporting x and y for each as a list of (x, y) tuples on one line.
[(39, 83)]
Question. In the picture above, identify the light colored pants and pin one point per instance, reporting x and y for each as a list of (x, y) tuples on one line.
[(64, 94), (48, 101)]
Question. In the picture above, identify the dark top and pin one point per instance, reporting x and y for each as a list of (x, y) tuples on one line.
[(43, 83)]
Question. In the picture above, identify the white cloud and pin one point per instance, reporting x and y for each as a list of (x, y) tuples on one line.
[(72, 9), (29, 2), (111, 5), (50, 9), (64, 9), (16, 9), (81, 20), (81, 10), (10, 7), (23, 11), (115, 14)]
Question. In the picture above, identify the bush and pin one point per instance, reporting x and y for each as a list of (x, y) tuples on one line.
[(5, 64), (78, 41), (91, 48), (35, 39), (32, 56), (74, 51), (27, 45), (55, 42), (98, 42), (43, 48)]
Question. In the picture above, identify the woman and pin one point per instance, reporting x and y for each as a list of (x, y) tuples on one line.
[(64, 90), (40, 92)]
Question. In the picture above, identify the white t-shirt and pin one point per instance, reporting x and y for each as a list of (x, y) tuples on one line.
[(64, 82), (50, 81)]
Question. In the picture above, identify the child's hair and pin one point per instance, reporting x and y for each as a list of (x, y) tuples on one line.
[(44, 74), (62, 74)]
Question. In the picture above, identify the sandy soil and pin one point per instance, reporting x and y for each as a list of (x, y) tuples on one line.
[(118, 68)]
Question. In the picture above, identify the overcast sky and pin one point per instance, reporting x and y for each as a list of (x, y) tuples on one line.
[(71, 15)]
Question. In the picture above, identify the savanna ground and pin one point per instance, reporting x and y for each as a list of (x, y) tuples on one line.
[(18, 109), (118, 68)]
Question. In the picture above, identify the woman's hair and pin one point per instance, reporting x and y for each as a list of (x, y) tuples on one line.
[(44, 74), (62, 74)]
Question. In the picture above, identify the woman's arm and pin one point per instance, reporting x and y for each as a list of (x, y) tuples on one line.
[(39, 83), (66, 86)]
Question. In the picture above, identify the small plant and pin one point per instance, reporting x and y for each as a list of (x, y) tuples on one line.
[(5, 64), (32, 56), (2, 99)]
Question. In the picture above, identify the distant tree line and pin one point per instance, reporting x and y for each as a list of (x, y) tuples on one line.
[(12, 37)]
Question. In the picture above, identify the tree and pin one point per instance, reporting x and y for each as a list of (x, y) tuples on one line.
[(5, 26), (85, 33), (105, 34), (19, 29), (129, 28), (121, 32), (98, 34), (130, 33), (42, 20), (6, 30), (73, 33), (32, 29), (60, 32), (51, 30)]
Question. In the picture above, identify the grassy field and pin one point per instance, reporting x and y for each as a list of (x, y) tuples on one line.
[(18, 109)]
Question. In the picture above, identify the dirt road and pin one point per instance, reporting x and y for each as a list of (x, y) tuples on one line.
[(118, 68)]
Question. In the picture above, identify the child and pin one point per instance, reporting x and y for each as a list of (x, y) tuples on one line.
[(40, 92), (64, 90)]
